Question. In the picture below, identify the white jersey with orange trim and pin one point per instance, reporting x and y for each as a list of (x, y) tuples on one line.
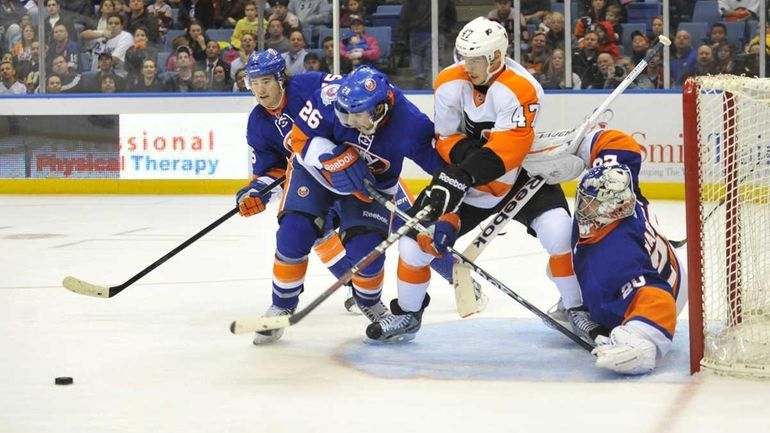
[(501, 115)]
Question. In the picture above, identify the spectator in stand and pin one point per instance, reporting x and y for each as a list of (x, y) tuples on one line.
[(503, 14), (554, 73), (654, 70), (704, 64), (554, 38), (682, 56), (161, 11), (749, 62), (275, 36), (655, 30), (121, 8), (200, 80), (605, 65), (201, 11), (197, 40), (312, 63), (415, 27), (240, 81), (139, 52), (295, 57), (214, 60), (612, 16), (717, 34), (536, 55), (358, 47), (607, 41), (52, 84), (22, 50), (230, 11), (739, 10), (755, 41), (533, 11), (63, 46), (248, 44), (54, 17), (81, 12), (92, 81), (95, 35), (70, 80), (639, 46), (640, 82), (248, 24), (351, 9), (148, 80), (10, 85), (107, 84), (118, 42), (596, 13), (179, 41), (221, 80), (182, 81), (140, 18), (725, 59), (312, 14), (28, 71), (289, 20), (327, 62), (584, 59), (10, 23)]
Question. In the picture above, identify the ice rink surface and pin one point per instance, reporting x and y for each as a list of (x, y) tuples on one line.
[(159, 357)]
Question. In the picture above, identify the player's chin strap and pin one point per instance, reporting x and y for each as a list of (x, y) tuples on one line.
[(481, 272)]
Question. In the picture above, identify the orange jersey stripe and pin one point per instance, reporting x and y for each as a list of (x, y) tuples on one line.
[(298, 140), (412, 274), (289, 272), (561, 265), (329, 248), (286, 184), (496, 188), (451, 73), (655, 305), (445, 145), (371, 284), (612, 139)]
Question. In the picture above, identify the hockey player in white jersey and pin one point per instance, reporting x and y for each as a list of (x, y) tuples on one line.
[(486, 107)]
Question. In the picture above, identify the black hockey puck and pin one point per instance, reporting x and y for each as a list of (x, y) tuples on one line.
[(63, 381)]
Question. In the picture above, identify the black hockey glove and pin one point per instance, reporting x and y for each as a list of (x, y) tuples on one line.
[(445, 192)]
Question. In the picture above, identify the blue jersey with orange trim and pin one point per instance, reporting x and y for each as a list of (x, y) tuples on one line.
[(627, 255), (266, 131), (406, 133)]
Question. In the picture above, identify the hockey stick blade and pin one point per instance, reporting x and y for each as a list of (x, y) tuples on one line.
[(261, 324), (84, 288)]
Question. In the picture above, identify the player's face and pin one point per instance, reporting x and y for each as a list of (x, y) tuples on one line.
[(586, 209), (477, 68), (362, 122), (267, 90)]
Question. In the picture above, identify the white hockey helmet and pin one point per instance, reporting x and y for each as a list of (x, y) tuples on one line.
[(482, 37), (605, 194)]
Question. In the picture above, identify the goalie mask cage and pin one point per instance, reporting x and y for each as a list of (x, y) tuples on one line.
[(727, 184)]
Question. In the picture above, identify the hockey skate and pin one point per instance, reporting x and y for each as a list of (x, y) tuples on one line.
[(397, 327), (627, 351), (374, 313), (578, 320), (266, 337), (350, 302)]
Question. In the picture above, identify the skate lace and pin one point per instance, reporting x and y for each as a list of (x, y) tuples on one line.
[(393, 321), (582, 320), (374, 312), (275, 311)]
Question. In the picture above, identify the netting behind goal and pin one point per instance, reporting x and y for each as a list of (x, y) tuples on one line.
[(727, 145)]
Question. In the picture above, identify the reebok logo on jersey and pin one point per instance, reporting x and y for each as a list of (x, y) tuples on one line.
[(453, 182), (376, 216), (340, 163)]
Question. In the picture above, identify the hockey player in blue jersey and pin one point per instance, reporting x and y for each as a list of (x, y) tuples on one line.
[(630, 277), (361, 129)]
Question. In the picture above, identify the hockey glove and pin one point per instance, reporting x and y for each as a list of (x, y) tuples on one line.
[(250, 201), (441, 235), (446, 191), (345, 170)]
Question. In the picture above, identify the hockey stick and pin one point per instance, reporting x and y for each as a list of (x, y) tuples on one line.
[(85, 288), (278, 322), (482, 273), (466, 300)]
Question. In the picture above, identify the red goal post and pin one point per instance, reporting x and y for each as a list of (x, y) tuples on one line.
[(727, 192)]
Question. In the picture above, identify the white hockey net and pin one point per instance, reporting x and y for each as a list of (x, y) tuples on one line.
[(733, 121)]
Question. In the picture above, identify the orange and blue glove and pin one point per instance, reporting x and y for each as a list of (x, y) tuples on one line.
[(250, 201), (346, 171), (441, 235)]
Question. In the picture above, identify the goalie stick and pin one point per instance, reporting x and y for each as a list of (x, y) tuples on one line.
[(461, 277), (482, 273), (85, 288), (278, 322)]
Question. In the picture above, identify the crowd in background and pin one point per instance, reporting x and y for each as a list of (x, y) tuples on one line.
[(203, 45)]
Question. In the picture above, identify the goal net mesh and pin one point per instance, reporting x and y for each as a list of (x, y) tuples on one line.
[(733, 119)]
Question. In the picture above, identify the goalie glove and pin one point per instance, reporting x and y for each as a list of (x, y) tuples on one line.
[(441, 235), (346, 171), (555, 157), (445, 192), (250, 201)]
